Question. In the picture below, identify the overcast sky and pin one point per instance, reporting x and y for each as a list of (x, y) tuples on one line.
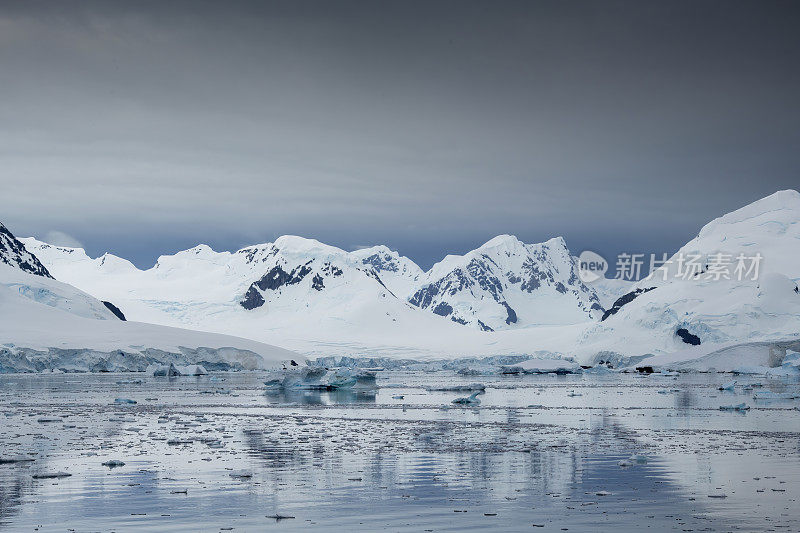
[(145, 128)]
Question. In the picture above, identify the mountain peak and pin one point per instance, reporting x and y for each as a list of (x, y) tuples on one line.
[(14, 254)]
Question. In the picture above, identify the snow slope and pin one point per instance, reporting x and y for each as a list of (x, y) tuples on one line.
[(47, 324), (323, 301), (717, 311), (320, 299)]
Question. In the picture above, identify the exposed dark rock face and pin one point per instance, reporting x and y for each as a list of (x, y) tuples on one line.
[(497, 272), (114, 309), (687, 337), (483, 326), (623, 300), (443, 309), (381, 262), (512, 315), (252, 299), (13, 252), (317, 283)]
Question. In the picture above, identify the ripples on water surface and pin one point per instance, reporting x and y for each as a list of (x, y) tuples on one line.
[(530, 455)]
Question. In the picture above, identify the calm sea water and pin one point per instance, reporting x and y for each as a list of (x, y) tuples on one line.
[(543, 453)]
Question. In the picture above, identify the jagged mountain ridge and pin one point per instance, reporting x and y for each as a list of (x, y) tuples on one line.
[(531, 284), (507, 283), (14, 253), (47, 324)]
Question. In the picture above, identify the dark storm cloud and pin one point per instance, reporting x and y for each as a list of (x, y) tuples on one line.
[(143, 128)]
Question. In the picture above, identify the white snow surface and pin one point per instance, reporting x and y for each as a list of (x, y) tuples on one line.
[(47, 324), (362, 309)]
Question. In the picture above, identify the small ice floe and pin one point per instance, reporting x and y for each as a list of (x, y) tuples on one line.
[(163, 370), (728, 386), (573, 394), (602, 493), (130, 382), (47, 419), (472, 399), (739, 407), (191, 370), (113, 463), (320, 379), (625, 463), (458, 388), (666, 373), (639, 459), (769, 395), (178, 442), (124, 401), (279, 516), (51, 475), (14, 460), (720, 495), (241, 474), (398, 397)]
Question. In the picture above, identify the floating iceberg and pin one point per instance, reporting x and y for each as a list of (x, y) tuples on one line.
[(472, 399), (728, 386), (740, 407), (321, 379), (171, 370), (543, 366)]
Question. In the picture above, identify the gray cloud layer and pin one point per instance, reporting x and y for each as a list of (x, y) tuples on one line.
[(142, 128)]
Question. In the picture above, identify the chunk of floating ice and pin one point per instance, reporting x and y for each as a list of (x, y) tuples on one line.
[(769, 395), (51, 475), (398, 397), (602, 493), (191, 370), (125, 401), (458, 388), (728, 386), (163, 370), (113, 463), (738, 407), (573, 394), (717, 495), (279, 516), (13, 460), (640, 459), (472, 399), (241, 474), (320, 379), (625, 463), (46, 419)]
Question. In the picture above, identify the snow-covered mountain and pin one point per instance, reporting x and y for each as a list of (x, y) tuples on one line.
[(298, 286), (698, 298), (14, 254), (323, 301), (48, 324), (506, 283)]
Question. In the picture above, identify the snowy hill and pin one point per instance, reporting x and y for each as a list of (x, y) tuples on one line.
[(47, 324), (506, 283), (323, 301), (14, 254), (698, 296), (314, 296)]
